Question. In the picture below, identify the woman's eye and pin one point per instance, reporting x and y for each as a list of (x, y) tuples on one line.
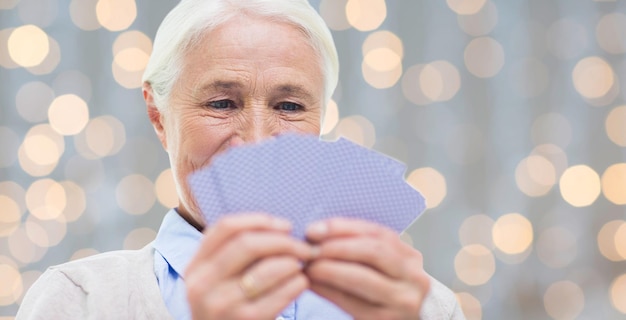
[(221, 104), (289, 106)]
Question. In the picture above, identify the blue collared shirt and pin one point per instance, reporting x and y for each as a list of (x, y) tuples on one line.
[(175, 245)]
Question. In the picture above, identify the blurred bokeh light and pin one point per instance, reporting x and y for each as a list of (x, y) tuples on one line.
[(474, 264), (116, 15), (564, 300), (512, 233), (580, 185), (28, 45), (618, 292), (607, 240), (557, 247), (366, 15), (431, 183), (484, 57)]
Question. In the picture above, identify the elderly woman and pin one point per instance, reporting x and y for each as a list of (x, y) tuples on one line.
[(225, 73)]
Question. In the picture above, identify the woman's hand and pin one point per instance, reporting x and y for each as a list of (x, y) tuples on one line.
[(247, 267), (366, 270)]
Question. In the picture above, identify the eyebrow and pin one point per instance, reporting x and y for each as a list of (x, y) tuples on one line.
[(295, 90), (220, 84), (284, 89), (217, 85)]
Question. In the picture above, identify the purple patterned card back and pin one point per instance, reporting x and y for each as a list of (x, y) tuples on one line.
[(303, 179)]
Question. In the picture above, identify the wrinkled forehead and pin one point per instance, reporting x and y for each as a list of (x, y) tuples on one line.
[(268, 43), (232, 57), (251, 19)]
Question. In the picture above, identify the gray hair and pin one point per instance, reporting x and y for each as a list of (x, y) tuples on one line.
[(191, 18)]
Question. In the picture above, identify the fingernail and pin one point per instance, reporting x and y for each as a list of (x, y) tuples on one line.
[(318, 229)]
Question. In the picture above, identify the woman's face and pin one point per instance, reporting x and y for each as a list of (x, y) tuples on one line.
[(245, 81)]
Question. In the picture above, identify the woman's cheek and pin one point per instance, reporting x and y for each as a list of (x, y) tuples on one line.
[(202, 142)]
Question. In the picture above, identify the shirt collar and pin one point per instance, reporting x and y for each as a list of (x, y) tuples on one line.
[(177, 241)]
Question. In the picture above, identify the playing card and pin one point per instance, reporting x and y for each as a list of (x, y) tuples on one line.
[(303, 179)]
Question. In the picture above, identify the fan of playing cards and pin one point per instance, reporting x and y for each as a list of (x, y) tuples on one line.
[(303, 179)]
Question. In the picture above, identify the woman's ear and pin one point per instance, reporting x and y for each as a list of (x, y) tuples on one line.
[(155, 115)]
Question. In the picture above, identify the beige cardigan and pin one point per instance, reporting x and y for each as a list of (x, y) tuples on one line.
[(122, 285)]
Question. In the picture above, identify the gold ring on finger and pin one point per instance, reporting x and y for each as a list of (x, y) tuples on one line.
[(249, 286)]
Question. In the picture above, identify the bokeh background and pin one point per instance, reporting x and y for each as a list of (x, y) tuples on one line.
[(510, 116)]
